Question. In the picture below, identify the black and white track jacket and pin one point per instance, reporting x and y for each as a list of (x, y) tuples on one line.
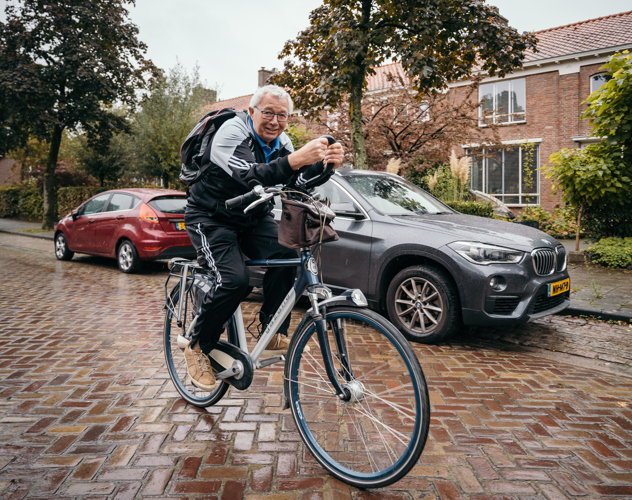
[(237, 160)]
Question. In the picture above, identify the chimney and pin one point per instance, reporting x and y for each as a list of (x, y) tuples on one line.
[(264, 75)]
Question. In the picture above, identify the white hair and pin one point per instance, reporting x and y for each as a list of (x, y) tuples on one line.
[(275, 91)]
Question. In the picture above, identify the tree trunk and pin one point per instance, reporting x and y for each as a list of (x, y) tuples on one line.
[(355, 118), (50, 199), (579, 221)]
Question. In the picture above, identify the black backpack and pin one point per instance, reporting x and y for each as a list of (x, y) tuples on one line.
[(195, 152)]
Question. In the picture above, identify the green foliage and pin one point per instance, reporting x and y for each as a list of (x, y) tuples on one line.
[(528, 168), (562, 223), (444, 185), (9, 201), (589, 175), (62, 65), (23, 201), (605, 220), (610, 107), (436, 41), (298, 134), (70, 198), (168, 114), (105, 163), (612, 252), (478, 208)]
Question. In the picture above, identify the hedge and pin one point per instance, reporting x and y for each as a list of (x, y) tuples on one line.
[(478, 208), (25, 201), (612, 252)]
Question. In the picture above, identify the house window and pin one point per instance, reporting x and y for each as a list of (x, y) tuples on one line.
[(507, 175), (503, 102), (596, 81)]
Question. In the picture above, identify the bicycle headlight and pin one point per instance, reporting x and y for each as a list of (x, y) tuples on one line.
[(483, 254), (358, 298)]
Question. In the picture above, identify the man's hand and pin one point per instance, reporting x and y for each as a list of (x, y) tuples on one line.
[(315, 151), (335, 154)]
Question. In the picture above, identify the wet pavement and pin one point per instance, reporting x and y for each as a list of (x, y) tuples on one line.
[(595, 291), (87, 409)]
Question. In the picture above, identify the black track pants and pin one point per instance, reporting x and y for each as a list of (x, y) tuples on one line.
[(223, 249)]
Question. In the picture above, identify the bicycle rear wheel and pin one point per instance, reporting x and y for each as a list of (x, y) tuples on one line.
[(176, 363), (374, 439)]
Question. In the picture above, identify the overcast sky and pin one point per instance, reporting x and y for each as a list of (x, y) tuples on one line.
[(232, 40)]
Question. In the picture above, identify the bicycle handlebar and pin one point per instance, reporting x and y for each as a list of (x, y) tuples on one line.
[(258, 191), (247, 198)]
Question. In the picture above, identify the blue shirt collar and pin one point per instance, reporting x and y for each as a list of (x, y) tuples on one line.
[(267, 150)]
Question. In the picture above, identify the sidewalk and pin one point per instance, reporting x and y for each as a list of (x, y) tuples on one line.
[(595, 291)]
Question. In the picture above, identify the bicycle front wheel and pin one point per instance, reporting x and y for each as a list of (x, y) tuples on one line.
[(176, 362), (377, 436)]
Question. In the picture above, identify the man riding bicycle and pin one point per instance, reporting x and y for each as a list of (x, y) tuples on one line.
[(246, 150)]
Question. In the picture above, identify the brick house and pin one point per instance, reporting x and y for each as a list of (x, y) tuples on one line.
[(542, 103)]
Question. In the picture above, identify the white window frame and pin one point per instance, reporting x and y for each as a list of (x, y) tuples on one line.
[(534, 197), (510, 112)]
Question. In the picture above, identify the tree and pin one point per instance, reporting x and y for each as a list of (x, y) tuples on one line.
[(62, 64), (610, 107), (167, 115), (420, 134), (104, 162), (436, 41), (590, 175)]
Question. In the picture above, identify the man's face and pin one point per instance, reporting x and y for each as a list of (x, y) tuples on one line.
[(269, 130)]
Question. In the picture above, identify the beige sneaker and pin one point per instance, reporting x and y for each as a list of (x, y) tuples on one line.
[(278, 346), (199, 368)]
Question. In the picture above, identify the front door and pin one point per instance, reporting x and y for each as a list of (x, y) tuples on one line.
[(81, 237)]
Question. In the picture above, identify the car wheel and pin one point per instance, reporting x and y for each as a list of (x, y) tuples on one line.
[(127, 257), (423, 304), (61, 248)]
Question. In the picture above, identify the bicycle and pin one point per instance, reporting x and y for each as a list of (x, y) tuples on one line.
[(358, 395)]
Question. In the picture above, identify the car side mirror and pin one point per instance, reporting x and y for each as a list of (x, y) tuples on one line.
[(347, 209), (74, 216)]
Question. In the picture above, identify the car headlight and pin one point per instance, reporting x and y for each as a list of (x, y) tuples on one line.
[(483, 254)]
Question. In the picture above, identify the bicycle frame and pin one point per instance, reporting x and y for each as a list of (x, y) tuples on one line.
[(307, 277), (307, 280)]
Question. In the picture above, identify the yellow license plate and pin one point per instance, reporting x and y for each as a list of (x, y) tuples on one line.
[(559, 287), (180, 226)]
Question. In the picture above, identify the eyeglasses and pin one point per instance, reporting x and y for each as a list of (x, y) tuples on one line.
[(269, 115)]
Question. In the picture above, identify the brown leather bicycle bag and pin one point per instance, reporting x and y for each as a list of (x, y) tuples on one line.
[(301, 223)]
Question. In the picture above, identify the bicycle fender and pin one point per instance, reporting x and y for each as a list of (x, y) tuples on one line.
[(351, 297)]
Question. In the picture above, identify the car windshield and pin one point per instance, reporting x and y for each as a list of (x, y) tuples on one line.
[(170, 204), (394, 196)]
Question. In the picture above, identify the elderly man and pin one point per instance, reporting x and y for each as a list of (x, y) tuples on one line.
[(246, 149)]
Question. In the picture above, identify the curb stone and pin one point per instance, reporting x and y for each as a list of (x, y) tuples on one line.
[(40, 236)]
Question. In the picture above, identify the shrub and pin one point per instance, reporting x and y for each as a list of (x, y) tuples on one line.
[(69, 198), (9, 201), (21, 201), (612, 252), (605, 220), (478, 208), (562, 223)]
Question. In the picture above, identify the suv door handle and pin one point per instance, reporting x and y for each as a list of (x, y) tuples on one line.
[(90, 221), (120, 217)]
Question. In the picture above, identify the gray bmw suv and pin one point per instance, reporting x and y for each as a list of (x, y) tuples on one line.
[(432, 269)]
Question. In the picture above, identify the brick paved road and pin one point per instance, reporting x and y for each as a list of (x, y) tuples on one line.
[(87, 409)]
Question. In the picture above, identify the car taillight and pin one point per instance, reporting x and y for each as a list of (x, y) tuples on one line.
[(147, 214)]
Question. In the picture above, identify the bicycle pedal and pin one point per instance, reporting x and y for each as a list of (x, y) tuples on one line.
[(183, 342)]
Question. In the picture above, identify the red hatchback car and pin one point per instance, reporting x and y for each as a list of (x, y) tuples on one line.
[(133, 225)]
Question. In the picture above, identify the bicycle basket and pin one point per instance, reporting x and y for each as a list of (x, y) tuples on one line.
[(301, 223)]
